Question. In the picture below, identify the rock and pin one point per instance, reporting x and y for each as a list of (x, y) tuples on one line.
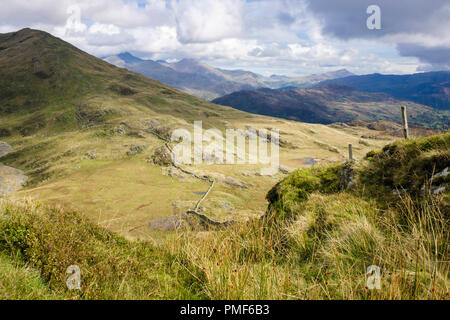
[(226, 205), (161, 157), (235, 182), (246, 173), (435, 190), (347, 176), (135, 150), (443, 173), (284, 169), (141, 134), (438, 189), (120, 130), (364, 143), (441, 185), (4, 149), (91, 154), (173, 172), (11, 179)]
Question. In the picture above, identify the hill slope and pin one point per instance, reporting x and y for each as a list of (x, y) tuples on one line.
[(429, 88), (330, 103), (91, 164), (318, 244), (88, 136)]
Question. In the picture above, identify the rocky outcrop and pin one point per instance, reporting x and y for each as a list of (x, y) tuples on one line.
[(4, 149), (161, 157), (11, 179), (135, 150), (437, 183)]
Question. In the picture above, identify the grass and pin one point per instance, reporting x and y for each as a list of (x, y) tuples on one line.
[(321, 249), (19, 281), (318, 245), (73, 104), (51, 239)]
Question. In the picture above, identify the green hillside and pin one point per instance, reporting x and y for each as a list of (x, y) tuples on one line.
[(85, 133), (49, 85), (103, 194), (316, 241)]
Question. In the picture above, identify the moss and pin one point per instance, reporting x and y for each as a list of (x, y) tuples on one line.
[(329, 179), (371, 154), (407, 164), (285, 196)]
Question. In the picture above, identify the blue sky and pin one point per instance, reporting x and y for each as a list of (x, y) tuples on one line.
[(292, 37)]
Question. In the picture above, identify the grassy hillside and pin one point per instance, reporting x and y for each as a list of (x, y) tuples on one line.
[(316, 241), (49, 85), (85, 132)]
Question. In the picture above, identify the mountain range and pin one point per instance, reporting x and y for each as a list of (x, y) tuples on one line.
[(104, 199), (96, 138), (332, 103), (429, 88), (204, 81)]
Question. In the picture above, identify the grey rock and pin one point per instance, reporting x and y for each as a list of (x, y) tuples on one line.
[(136, 149), (235, 182), (91, 154), (284, 169), (443, 173)]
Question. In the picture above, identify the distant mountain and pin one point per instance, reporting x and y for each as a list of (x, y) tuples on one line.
[(331, 103), (204, 81), (430, 88), (306, 81)]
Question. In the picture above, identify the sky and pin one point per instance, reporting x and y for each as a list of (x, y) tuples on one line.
[(285, 37)]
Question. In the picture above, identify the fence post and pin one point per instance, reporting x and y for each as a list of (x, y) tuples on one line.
[(350, 152), (405, 123)]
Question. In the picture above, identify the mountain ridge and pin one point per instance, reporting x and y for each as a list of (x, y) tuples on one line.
[(428, 88), (204, 81), (330, 103)]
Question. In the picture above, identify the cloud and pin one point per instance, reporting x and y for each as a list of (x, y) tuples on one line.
[(266, 36), (437, 57), (419, 28), (347, 18), (207, 20)]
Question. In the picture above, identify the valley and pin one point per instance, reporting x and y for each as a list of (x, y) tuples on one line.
[(102, 191), (332, 103)]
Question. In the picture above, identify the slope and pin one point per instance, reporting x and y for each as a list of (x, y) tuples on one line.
[(331, 103), (429, 88), (86, 134)]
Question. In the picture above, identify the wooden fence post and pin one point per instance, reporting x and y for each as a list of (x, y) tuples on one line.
[(405, 123), (350, 152)]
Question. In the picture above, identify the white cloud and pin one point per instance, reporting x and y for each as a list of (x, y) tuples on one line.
[(267, 36), (208, 20)]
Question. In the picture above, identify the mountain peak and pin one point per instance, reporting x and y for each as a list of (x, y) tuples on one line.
[(129, 58)]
